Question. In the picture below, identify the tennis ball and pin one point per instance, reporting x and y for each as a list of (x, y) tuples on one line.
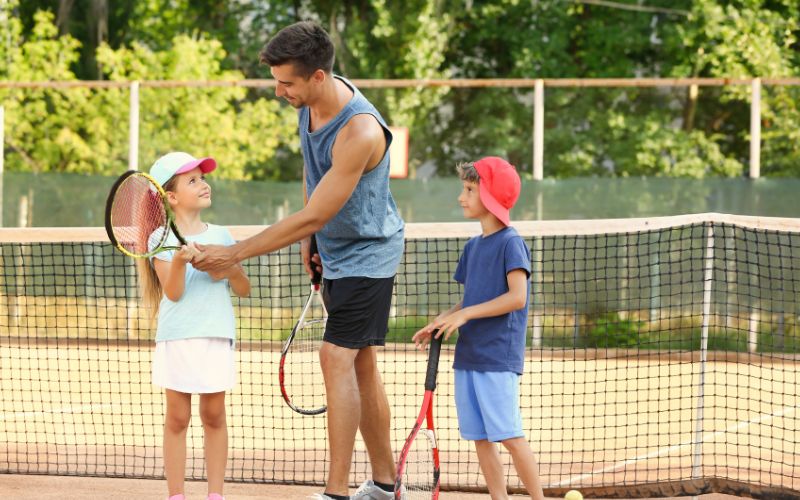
[(573, 495)]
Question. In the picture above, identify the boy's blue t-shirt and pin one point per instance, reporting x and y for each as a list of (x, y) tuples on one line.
[(496, 343)]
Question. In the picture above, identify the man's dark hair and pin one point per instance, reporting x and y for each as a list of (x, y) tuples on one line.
[(305, 45)]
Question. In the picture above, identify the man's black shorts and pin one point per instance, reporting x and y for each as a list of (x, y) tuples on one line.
[(358, 311)]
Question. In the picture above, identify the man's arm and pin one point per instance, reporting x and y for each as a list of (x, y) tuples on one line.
[(357, 144)]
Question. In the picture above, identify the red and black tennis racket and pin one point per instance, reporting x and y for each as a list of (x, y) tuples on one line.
[(299, 373), (418, 467)]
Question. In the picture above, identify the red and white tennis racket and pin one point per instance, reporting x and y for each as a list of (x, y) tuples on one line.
[(418, 467), (300, 375)]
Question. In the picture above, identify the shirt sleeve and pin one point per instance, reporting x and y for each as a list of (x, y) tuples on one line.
[(517, 256), (227, 237), (154, 239)]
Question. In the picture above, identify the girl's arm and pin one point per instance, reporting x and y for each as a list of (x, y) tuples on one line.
[(240, 284), (172, 274), (236, 277)]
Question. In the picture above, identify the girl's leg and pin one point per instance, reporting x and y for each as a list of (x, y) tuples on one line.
[(215, 431), (179, 412), (525, 464), (492, 468)]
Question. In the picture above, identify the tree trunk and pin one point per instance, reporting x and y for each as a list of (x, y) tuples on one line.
[(62, 19)]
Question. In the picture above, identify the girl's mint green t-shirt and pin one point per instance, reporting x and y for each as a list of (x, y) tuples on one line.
[(205, 308)]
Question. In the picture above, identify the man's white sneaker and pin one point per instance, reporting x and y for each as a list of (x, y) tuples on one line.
[(370, 491)]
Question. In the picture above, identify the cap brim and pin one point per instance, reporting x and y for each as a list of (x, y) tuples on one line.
[(205, 165), (492, 205)]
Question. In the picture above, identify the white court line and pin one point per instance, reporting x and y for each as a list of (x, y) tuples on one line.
[(666, 451), (87, 408)]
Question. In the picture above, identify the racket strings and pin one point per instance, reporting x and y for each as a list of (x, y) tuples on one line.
[(137, 213), (418, 475), (303, 376)]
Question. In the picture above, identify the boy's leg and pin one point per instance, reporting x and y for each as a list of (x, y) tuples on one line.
[(525, 464), (375, 416), (344, 412), (492, 468), (176, 421), (215, 437)]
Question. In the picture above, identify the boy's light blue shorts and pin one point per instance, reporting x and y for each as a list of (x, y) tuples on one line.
[(488, 405)]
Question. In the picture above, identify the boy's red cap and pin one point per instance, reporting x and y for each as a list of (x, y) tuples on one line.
[(499, 186)]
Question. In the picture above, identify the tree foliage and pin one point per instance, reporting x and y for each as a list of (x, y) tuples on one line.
[(604, 132)]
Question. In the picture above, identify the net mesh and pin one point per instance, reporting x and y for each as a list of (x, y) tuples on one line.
[(659, 360)]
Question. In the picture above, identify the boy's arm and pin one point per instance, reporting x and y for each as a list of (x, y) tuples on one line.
[(515, 298), (423, 335)]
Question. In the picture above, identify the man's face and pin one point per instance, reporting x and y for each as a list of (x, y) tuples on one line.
[(296, 89)]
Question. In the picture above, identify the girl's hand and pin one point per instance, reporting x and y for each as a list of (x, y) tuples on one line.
[(225, 273), (186, 253)]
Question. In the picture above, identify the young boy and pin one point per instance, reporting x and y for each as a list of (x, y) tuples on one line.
[(492, 319)]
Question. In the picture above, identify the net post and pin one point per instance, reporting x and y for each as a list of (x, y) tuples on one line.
[(697, 460), (133, 124), (755, 128), (538, 130), (655, 282)]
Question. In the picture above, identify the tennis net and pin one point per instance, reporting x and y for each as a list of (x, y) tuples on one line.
[(662, 359)]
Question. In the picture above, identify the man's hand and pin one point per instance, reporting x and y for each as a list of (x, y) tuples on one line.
[(214, 258), (309, 260)]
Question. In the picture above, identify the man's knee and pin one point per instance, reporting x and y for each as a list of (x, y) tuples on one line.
[(334, 358)]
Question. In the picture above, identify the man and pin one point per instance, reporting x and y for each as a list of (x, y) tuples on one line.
[(359, 232)]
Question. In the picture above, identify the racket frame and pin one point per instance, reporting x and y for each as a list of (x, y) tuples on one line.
[(316, 279), (168, 224), (426, 416)]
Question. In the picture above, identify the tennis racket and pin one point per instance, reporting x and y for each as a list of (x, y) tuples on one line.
[(418, 467), (138, 216), (299, 373)]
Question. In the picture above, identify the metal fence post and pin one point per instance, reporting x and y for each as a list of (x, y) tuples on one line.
[(538, 130), (133, 138), (755, 129), (2, 157)]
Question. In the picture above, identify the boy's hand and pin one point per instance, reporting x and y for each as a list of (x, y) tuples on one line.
[(450, 323), (423, 336)]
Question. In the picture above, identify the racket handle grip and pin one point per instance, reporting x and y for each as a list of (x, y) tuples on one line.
[(316, 277), (433, 361)]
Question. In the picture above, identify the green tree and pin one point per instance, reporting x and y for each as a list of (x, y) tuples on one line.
[(78, 129)]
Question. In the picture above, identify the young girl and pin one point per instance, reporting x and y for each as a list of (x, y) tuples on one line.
[(196, 326)]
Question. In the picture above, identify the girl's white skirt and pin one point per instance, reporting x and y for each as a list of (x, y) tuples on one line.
[(195, 366)]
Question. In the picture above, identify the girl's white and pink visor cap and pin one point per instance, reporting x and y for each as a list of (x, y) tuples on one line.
[(178, 162)]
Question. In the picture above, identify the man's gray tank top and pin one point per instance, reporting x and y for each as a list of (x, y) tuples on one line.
[(366, 237)]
